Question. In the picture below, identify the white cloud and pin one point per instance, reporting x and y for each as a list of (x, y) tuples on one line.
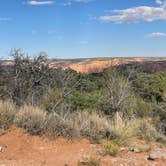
[(137, 14), (156, 35), (40, 2), (159, 2)]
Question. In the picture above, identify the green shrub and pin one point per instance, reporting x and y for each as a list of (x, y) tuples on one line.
[(51, 99), (79, 100), (32, 119), (7, 113), (142, 109), (150, 86)]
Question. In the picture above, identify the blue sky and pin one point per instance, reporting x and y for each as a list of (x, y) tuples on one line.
[(84, 28)]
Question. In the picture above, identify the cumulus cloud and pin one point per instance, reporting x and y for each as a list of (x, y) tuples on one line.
[(156, 35), (137, 14), (159, 2), (40, 2)]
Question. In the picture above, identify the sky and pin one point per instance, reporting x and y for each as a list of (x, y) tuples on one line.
[(83, 28)]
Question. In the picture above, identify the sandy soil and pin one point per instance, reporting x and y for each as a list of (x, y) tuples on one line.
[(21, 149)]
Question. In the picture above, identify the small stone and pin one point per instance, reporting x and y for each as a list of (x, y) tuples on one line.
[(136, 150), (93, 146), (1, 148), (122, 149), (157, 154)]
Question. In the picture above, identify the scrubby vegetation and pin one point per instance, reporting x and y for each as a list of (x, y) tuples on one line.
[(89, 161), (117, 104)]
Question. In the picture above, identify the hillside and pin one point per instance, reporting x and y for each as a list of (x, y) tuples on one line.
[(112, 115), (96, 65)]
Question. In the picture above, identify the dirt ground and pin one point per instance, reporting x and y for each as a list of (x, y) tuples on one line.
[(21, 149)]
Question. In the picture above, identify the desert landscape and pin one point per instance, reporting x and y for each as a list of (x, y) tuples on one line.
[(40, 134), (82, 83)]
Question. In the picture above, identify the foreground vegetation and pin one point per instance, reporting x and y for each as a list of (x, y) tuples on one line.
[(117, 104)]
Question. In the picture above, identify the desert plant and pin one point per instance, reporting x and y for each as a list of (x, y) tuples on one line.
[(32, 119), (94, 126), (109, 148), (57, 125), (145, 130), (89, 161), (118, 97), (48, 102), (143, 108), (7, 113)]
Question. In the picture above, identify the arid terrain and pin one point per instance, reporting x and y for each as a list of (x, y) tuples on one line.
[(50, 116), (19, 148), (95, 65)]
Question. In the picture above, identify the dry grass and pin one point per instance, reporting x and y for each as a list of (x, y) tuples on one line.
[(89, 161), (144, 130), (94, 126), (7, 113), (109, 148), (32, 119), (59, 126)]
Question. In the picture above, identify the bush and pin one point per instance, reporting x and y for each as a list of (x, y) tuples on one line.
[(119, 96), (94, 126), (32, 119), (7, 113), (89, 161), (110, 148), (143, 109), (51, 99), (80, 100), (146, 131), (57, 126)]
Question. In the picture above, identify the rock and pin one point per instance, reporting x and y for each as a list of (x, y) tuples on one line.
[(123, 149), (157, 154), (135, 150), (1, 148)]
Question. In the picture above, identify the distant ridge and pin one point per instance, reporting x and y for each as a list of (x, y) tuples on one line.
[(93, 65)]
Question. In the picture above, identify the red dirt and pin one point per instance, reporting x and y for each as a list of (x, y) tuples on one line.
[(22, 149)]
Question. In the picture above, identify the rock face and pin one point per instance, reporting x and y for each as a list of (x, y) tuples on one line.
[(158, 154)]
